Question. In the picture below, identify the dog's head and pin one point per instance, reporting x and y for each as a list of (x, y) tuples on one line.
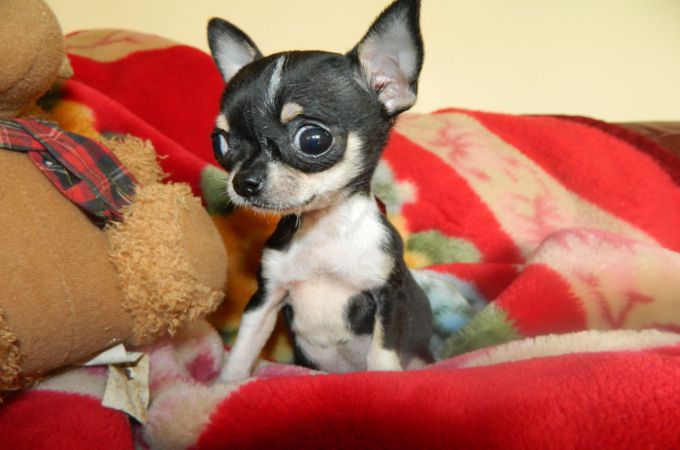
[(298, 129)]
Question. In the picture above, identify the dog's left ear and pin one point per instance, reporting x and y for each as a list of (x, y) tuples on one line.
[(390, 56)]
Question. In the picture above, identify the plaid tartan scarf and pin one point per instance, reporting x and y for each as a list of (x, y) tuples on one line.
[(85, 171)]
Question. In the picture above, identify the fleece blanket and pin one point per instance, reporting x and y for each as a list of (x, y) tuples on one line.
[(615, 389), (558, 233)]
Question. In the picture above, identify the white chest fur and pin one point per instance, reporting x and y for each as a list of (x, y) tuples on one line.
[(332, 257), (344, 243)]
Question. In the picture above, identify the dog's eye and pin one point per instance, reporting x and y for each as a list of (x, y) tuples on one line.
[(220, 146), (313, 140)]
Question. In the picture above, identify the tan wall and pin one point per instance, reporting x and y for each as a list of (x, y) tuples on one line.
[(613, 59)]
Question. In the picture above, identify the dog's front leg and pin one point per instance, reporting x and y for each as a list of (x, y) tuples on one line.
[(382, 354), (256, 326)]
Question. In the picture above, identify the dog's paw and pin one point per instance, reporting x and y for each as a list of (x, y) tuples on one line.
[(383, 359), (232, 374)]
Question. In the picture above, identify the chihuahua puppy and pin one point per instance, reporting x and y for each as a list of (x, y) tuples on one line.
[(300, 134)]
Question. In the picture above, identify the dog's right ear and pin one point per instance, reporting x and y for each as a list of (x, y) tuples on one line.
[(231, 48), (390, 56)]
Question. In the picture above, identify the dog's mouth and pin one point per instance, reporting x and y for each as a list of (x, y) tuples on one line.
[(280, 207)]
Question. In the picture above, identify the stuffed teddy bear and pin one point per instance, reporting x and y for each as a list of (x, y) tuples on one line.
[(71, 288)]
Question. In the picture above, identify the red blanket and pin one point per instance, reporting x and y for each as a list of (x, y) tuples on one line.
[(516, 226)]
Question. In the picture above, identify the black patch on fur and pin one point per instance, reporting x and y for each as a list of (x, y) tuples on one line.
[(255, 301), (258, 297), (285, 230), (393, 245), (406, 317), (360, 313), (300, 358), (403, 307)]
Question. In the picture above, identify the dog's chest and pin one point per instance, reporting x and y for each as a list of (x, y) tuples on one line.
[(323, 267), (345, 246)]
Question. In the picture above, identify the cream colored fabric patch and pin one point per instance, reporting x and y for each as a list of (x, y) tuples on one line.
[(111, 45), (591, 341), (127, 388), (114, 355), (181, 413), (621, 283), (513, 186)]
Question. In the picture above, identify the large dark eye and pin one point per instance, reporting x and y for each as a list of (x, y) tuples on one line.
[(220, 147), (313, 140)]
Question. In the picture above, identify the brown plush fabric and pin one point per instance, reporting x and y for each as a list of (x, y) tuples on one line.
[(138, 156), (204, 249), (60, 295), (63, 300), (164, 286), (31, 51), (9, 357)]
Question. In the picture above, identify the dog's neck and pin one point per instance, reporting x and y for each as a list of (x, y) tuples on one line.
[(347, 207)]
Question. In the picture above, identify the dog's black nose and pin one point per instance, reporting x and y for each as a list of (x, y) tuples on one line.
[(248, 184)]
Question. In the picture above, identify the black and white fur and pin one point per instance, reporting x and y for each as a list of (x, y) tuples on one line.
[(301, 133)]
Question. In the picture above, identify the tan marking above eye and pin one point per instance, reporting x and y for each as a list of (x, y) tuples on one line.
[(290, 111), (222, 123)]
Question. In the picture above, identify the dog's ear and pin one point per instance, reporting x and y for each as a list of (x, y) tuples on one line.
[(390, 56), (231, 48)]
